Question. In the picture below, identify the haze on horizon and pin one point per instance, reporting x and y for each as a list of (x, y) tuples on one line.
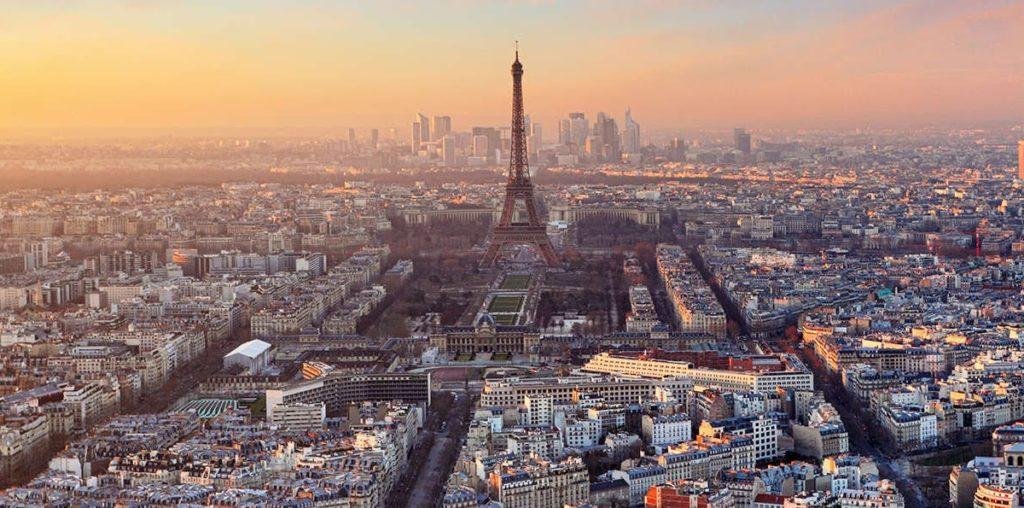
[(312, 67)]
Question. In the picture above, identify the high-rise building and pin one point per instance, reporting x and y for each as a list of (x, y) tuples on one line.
[(442, 127), (606, 144), (1020, 159), (416, 140), (592, 147), (506, 142), (420, 132), (579, 130), (374, 138), (742, 140), (493, 141), (564, 131), (351, 139), (630, 134), (448, 150), (536, 139), (424, 127), (480, 146), (677, 150), (595, 141)]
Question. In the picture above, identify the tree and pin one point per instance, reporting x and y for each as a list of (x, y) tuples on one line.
[(792, 333), (732, 328)]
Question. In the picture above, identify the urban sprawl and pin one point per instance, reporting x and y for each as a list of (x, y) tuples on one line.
[(730, 319)]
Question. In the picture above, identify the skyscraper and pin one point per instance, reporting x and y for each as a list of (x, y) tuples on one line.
[(493, 141), (605, 145), (415, 141), (742, 140), (579, 130), (677, 150), (505, 146), (442, 127), (612, 141), (374, 138), (630, 134), (351, 139), (564, 131), (1020, 159), (448, 150), (536, 138), (480, 146), (420, 132)]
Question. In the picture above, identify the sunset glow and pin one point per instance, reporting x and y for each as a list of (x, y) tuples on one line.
[(317, 66)]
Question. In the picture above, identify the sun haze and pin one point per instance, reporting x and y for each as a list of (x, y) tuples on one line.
[(126, 66)]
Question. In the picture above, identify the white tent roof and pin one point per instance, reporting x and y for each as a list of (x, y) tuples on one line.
[(252, 349)]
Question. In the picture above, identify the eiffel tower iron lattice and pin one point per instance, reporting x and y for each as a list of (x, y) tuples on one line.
[(507, 232)]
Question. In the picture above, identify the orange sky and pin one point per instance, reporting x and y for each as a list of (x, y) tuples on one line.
[(304, 67)]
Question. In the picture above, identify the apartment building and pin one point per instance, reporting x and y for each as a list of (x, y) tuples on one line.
[(540, 484), (512, 392), (796, 376)]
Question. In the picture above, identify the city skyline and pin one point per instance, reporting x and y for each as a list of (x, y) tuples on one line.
[(720, 254), (314, 68)]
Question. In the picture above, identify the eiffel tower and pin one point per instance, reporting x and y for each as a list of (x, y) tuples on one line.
[(507, 232)]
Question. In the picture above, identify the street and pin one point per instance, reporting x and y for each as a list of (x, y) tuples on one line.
[(435, 452), (862, 441), (188, 377)]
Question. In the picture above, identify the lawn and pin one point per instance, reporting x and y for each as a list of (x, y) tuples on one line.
[(515, 282), (505, 319), (501, 357), (505, 304)]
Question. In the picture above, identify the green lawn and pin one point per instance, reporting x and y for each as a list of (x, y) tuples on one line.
[(515, 282), (505, 319), (505, 304)]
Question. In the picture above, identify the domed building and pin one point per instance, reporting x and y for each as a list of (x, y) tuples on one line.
[(485, 336)]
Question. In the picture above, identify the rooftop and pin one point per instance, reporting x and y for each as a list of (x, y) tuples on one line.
[(252, 349)]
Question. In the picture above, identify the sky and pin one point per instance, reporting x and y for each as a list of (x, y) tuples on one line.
[(319, 67)]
